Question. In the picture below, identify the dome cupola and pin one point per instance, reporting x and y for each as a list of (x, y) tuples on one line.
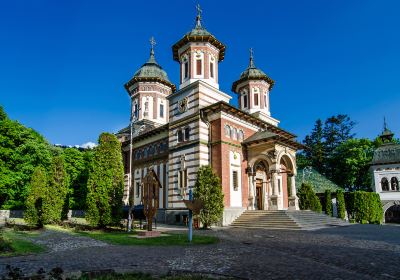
[(198, 53), (253, 88)]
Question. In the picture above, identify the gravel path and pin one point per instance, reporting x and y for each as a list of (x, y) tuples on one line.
[(355, 252)]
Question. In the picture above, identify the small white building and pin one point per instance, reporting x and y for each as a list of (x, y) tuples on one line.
[(385, 167)]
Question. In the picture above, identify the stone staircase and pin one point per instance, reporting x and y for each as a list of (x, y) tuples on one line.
[(289, 220)]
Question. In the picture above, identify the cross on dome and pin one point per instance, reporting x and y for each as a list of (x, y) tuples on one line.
[(198, 17), (251, 65)]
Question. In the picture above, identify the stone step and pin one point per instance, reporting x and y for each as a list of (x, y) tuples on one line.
[(283, 219)]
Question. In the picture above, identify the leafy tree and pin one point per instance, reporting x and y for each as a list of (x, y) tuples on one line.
[(365, 207), (105, 183), (21, 151), (352, 160), (328, 203), (341, 207), (208, 188), (308, 199), (33, 213), (77, 164)]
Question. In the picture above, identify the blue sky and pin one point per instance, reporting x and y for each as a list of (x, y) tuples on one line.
[(63, 63)]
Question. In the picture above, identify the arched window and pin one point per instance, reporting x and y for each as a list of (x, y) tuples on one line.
[(234, 133), (256, 94), (395, 184), (227, 131), (145, 152), (385, 184), (240, 135), (245, 99), (187, 133), (185, 68)]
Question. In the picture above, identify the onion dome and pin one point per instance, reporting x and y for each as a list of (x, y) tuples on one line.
[(252, 73), (198, 34), (151, 71)]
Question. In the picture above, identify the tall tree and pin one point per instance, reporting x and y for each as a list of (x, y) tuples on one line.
[(33, 213), (56, 192), (105, 183), (208, 188), (315, 149), (77, 164)]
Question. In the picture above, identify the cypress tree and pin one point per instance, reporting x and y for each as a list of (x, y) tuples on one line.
[(105, 183), (33, 213), (208, 188), (328, 203), (308, 200), (56, 193), (341, 207)]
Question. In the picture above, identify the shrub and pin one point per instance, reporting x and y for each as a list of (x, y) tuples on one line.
[(328, 203), (308, 199), (208, 188), (341, 207)]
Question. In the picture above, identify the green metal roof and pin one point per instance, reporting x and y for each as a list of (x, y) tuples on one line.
[(198, 34), (260, 135), (252, 73), (151, 71)]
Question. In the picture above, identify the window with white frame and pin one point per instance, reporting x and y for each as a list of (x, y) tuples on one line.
[(235, 180), (185, 68), (212, 66), (245, 99), (256, 95), (198, 64), (161, 110)]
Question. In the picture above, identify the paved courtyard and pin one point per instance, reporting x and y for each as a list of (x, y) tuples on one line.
[(353, 252)]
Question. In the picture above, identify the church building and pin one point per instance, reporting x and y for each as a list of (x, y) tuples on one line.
[(175, 130)]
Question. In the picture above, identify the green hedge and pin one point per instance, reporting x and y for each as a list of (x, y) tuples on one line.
[(365, 207)]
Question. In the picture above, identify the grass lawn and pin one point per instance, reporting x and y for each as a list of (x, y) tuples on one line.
[(16, 243), (124, 238)]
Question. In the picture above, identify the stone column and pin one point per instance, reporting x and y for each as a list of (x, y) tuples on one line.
[(274, 196), (293, 203), (251, 191)]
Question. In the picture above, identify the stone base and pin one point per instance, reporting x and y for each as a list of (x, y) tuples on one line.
[(147, 234), (273, 202), (230, 214)]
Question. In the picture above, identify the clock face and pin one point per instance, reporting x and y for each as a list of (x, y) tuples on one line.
[(182, 105)]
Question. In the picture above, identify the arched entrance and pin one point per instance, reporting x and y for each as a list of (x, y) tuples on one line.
[(285, 181), (392, 214), (261, 185)]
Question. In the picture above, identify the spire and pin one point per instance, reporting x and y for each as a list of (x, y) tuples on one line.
[(152, 58), (251, 64), (387, 135), (198, 17), (384, 124)]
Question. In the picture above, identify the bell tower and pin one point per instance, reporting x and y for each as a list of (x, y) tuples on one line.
[(148, 89), (198, 54), (253, 89)]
